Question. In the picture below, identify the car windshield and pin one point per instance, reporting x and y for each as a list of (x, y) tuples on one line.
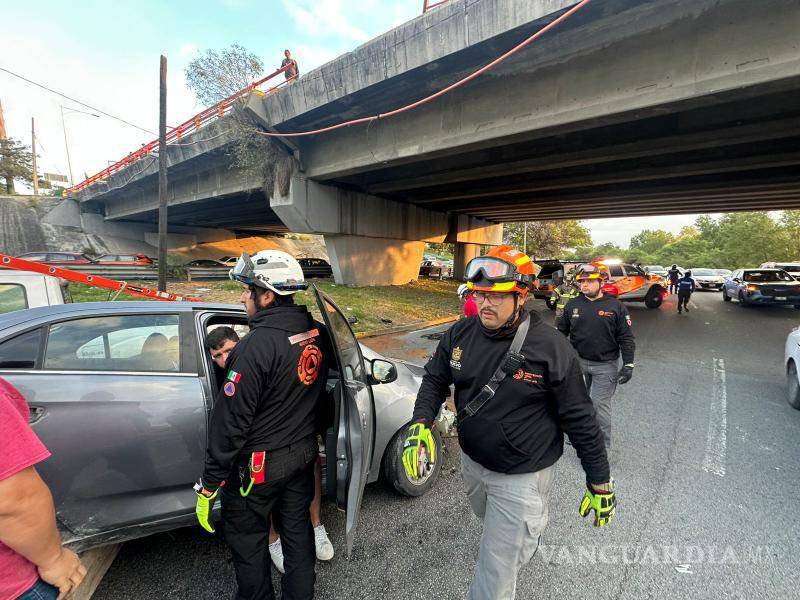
[(655, 268), (766, 276), (790, 268), (703, 272), (723, 272)]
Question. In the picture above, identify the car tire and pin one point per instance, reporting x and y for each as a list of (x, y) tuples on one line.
[(653, 299), (725, 296), (742, 301), (394, 472), (794, 386)]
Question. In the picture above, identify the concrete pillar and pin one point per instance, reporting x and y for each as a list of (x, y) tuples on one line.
[(463, 254), (361, 261)]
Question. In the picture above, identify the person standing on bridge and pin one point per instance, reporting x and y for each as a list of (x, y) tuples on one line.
[(685, 289), (292, 71), (262, 433), (512, 437), (599, 327)]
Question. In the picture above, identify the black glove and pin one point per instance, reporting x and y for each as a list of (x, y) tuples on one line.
[(625, 374)]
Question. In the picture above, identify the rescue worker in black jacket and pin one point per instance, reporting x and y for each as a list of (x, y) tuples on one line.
[(599, 328), (262, 443), (511, 444)]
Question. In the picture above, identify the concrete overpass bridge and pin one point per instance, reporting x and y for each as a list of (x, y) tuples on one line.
[(630, 107)]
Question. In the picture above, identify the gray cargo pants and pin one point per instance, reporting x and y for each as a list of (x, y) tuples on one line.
[(601, 381), (513, 509)]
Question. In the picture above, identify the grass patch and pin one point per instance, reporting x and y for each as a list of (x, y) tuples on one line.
[(422, 300)]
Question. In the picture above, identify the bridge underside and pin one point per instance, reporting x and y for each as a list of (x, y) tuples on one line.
[(741, 153)]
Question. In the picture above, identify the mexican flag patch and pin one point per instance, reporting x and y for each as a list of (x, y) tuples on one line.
[(234, 376)]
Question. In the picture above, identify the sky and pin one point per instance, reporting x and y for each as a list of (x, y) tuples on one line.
[(107, 55)]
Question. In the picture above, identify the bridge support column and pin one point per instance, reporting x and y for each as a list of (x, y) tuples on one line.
[(372, 240), (463, 254)]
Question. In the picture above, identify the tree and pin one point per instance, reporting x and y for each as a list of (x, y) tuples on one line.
[(217, 74), (16, 162), (547, 239), (651, 241)]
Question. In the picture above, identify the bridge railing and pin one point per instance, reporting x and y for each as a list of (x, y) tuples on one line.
[(176, 134)]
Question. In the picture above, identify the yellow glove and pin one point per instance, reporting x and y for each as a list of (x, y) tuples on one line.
[(205, 500), (603, 503), (418, 434)]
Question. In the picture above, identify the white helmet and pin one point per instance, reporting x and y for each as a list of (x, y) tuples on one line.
[(274, 270), (462, 289)]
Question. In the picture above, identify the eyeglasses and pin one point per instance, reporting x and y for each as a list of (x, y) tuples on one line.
[(490, 298)]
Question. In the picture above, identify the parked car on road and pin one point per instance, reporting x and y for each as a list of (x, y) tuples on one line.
[(656, 270), (792, 268), (139, 260), (792, 362), (634, 285), (121, 393), (57, 258), (228, 260), (315, 267), (205, 263), (762, 286), (724, 273), (436, 269), (707, 279)]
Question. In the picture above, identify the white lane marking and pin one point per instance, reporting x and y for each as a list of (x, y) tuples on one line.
[(716, 440)]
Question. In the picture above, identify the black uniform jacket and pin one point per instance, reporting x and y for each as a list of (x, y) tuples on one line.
[(599, 330), (275, 378), (520, 430)]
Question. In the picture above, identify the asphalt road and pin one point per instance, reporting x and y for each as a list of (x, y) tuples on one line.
[(706, 463)]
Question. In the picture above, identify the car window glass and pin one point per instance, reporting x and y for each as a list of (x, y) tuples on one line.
[(20, 352), (767, 276), (616, 271), (117, 343), (633, 270), (34, 256), (347, 346), (12, 297), (703, 272), (126, 257)]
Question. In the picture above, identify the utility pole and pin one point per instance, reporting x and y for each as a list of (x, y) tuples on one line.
[(33, 152), (162, 177)]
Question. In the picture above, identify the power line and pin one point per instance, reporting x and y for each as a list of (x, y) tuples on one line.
[(44, 87)]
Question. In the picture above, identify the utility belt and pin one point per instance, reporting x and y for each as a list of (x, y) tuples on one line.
[(253, 467)]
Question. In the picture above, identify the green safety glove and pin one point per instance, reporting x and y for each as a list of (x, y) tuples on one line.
[(205, 500), (603, 502), (418, 434)]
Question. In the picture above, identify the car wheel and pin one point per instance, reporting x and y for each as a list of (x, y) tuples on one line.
[(725, 296), (395, 473), (794, 386), (653, 299), (742, 301)]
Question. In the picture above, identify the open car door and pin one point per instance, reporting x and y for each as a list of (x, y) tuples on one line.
[(354, 425)]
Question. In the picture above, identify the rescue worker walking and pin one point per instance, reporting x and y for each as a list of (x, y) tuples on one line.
[(599, 328), (673, 275), (563, 293), (685, 289), (510, 428), (262, 433)]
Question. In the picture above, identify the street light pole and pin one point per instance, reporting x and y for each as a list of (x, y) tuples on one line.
[(66, 145)]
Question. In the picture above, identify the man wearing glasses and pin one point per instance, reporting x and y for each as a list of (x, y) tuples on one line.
[(512, 437)]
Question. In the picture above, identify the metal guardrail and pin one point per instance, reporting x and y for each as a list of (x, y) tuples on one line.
[(207, 273), (123, 272)]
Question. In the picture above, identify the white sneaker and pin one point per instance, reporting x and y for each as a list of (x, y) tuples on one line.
[(322, 543), (276, 553)]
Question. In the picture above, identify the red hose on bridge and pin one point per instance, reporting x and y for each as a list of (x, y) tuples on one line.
[(443, 91)]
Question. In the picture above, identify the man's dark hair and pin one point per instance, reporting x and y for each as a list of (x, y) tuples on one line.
[(219, 336), (278, 301)]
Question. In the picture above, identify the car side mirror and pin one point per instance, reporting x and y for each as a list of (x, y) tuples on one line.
[(737, 280), (382, 371)]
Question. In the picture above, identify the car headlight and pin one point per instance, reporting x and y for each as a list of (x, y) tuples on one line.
[(752, 288)]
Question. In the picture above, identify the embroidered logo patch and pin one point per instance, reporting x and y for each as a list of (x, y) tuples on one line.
[(309, 364), (527, 377), (455, 358), (229, 388)]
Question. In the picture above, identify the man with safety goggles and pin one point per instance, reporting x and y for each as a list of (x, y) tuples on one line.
[(518, 387), (262, 444), (599, 328)]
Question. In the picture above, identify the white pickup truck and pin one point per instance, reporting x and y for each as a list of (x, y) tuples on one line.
[(22, 289)]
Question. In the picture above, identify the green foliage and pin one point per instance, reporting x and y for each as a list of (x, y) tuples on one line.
[(16, 163), (175, 266), (217, 74), (546, 239)]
